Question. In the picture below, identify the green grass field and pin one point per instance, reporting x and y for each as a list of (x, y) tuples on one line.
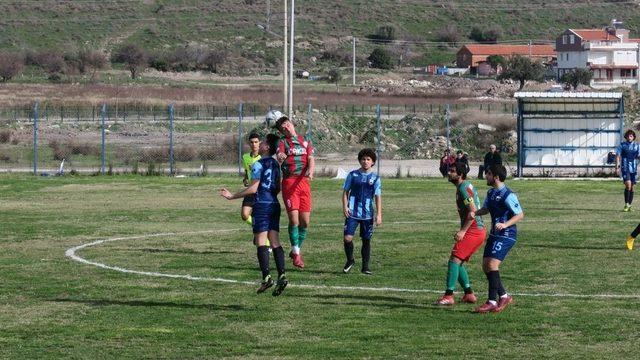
[(571, 244)]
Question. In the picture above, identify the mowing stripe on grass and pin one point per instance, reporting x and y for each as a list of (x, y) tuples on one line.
[(71, 253)]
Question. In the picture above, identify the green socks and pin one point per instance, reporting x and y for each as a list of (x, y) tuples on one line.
[(302, 235), (453, 271), (463, 278), (294, 236)]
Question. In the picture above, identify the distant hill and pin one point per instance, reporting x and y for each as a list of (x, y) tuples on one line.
[(322, 25)]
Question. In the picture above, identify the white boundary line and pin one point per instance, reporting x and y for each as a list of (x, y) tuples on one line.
[(71, 253)]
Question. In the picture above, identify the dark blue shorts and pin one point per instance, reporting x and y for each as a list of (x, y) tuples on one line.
[(497, 247), (627, 176), (366, 227), (266, 217)]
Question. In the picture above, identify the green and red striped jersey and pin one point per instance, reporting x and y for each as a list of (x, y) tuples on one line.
[(298, 149)]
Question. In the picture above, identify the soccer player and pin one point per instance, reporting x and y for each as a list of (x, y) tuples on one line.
[(265, 185), (296, 154), (467, 240), (247, 160), (505, 210), (626, 165), (361, 189), (632, 237)]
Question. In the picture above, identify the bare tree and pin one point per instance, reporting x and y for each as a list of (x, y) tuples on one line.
[(211, 59), (52, 63), (449, 34), (93, 61), (133, 57), (334, 76), (10, 66)]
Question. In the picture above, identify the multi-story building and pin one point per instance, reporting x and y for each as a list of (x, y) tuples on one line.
[(609, 53)]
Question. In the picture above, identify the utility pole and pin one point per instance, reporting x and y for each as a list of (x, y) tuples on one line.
[(285, 61), (291, 49), (268, 15), (353, 81), (529, 49)]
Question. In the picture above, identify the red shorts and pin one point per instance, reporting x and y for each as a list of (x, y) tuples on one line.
[(471, 241), (296, 193)]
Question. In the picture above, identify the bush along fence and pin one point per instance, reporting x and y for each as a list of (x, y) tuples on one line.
[(101, 140)]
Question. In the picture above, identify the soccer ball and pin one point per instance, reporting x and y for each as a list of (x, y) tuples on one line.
[(272, 117)]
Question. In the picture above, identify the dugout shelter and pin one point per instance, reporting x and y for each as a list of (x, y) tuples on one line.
[(573, 130)]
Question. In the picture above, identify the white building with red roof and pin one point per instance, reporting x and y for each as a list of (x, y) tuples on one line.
[(609, 53)]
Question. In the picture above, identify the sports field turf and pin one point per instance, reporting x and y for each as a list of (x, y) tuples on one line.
[(571, 244)]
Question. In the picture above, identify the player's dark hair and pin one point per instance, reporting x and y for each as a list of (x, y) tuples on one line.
[(461, 169), (368, 152), (272, 141), (254, 135), (498, 170), (630, 132), (281, 121)]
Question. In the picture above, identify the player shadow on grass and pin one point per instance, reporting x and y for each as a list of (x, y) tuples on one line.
[(390, 302), (106, 302), (572, 247)]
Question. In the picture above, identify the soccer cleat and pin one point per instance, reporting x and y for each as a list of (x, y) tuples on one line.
[(627, 208), (485, 308), (280, 285), (366, 271), (445, 300), (630, 242), (266, 283), (347, 267), (503, 303), (469, 298), (297, 260)]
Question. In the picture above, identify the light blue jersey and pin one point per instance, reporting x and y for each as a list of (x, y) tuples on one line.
[(362, 189), (629, 152), (503, 204)]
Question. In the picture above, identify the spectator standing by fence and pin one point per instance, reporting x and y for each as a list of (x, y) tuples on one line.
[(445, 162), (491, 158), (462, 158)]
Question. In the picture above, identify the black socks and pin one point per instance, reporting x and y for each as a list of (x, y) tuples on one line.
[(263, 260)]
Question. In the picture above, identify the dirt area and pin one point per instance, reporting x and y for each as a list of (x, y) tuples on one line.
[(447, 86)]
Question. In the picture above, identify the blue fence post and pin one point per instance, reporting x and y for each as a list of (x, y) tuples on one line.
[(171, 139), (103, 152), (240, 117), (378, 137), (309, 120), (35, 138)]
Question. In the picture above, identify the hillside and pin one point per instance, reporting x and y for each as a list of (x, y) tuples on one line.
[(321, 25)]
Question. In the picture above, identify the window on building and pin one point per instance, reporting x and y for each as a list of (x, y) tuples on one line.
[(626, 73), (572, 39), (564, 39)]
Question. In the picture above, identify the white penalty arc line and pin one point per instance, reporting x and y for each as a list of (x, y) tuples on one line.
[(71, 253)]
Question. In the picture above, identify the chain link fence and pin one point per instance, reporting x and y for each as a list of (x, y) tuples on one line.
[(154, 140)]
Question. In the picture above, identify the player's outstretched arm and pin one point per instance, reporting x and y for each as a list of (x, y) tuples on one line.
[(483, 211), (242, 193)]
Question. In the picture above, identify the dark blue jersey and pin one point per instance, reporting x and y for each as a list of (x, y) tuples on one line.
[(629, 152), (362, 188), (267, 172), (502, 204)]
